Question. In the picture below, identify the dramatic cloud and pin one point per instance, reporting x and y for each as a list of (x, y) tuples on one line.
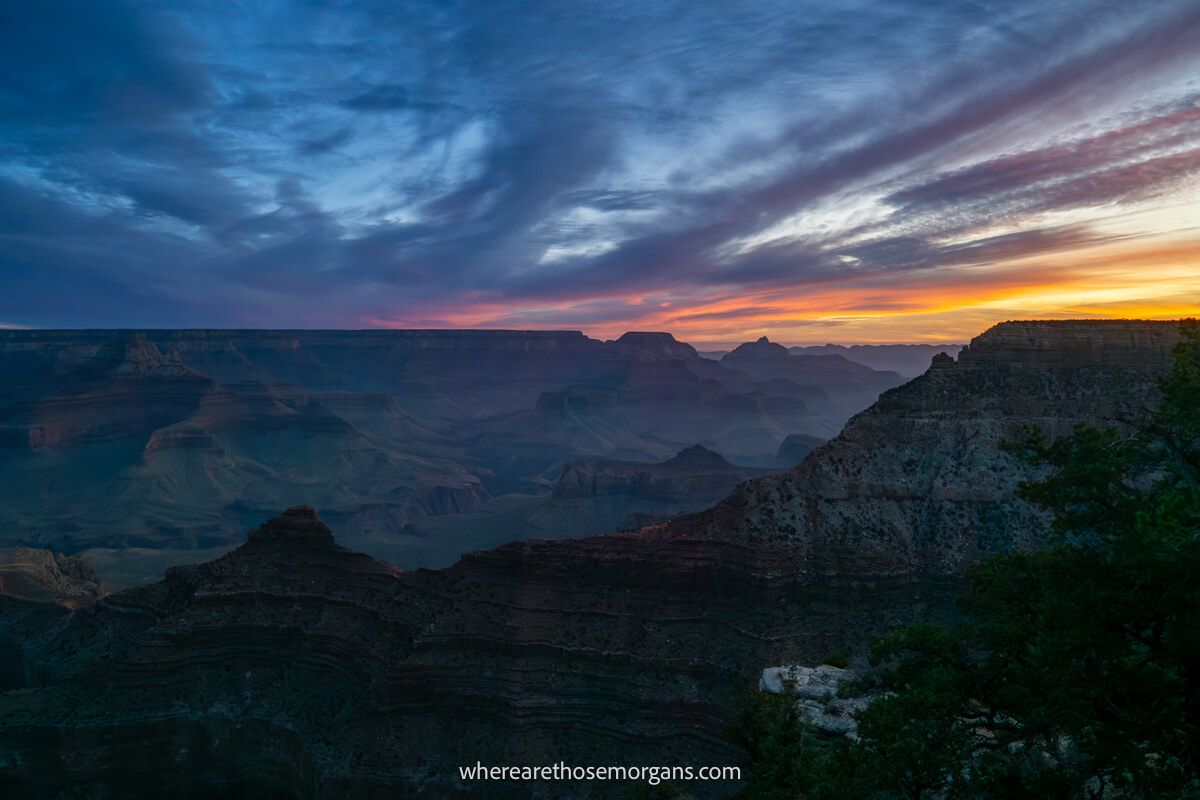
[(874, 170)]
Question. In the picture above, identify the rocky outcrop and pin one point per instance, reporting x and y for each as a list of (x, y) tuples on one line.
[(650, 346), (819, 696), (299, 524), (38, 589), (143, 358), (1090, 345), (28, 573), (796, 447)]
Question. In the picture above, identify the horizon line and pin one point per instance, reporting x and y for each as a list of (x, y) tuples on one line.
[(697, 344)]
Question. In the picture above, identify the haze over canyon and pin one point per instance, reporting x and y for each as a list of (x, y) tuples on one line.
[(416, 445), (296, 666)]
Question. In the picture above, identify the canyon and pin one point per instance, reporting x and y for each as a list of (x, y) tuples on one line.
[(295, 667), (146, 449), (593, 495)]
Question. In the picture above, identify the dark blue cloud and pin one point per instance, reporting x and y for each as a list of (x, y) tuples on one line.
[(307, 163), (97, 63)]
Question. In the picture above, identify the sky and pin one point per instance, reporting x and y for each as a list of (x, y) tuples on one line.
[(811, 171)]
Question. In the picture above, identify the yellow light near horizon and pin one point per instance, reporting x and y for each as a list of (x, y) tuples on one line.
[(1145, 277)]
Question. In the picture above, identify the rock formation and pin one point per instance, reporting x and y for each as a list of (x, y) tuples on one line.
[(28, 573), (295, 667), (179, 440), (818, 692), (609, 495), (593, 495), (38, 588)]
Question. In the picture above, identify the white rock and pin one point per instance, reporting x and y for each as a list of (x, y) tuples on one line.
[(816, 692), (810, 683)]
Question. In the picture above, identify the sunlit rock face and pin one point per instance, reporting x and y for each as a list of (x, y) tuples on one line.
[(312, 670)]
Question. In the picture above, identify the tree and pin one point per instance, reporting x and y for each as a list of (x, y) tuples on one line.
[(1077, 672)]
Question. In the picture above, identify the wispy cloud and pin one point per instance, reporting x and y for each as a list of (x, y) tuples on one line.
[(713, 168)]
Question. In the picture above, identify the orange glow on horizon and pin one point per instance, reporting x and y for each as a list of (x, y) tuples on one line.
[(1132, 279)]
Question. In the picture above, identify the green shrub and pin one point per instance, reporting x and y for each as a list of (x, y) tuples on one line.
[(836, 659)]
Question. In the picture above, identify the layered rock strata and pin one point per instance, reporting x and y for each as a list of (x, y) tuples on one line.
[(180, 439), (296, 668)]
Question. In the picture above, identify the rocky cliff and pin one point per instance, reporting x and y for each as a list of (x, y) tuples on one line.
[(179, 439), (28, 573), (796, 447), (38, 588), (919, 476), (294, 667)]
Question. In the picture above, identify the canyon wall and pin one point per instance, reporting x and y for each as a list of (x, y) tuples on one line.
[(353, 679), (180, 440)]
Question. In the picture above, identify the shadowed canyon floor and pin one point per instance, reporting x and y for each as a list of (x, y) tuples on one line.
[(294, 667)]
